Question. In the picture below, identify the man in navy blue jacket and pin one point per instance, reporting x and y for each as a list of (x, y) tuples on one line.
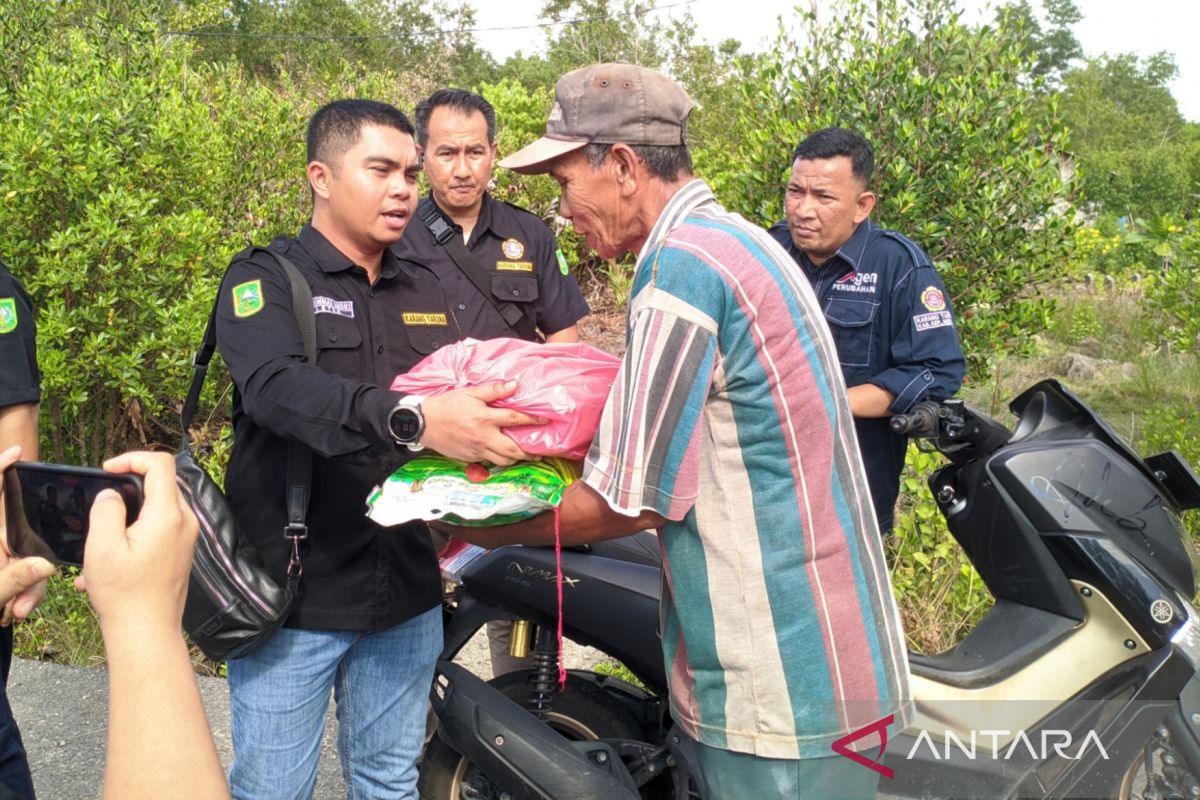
[(884, 301)]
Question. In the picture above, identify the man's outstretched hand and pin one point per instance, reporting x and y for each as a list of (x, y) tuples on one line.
[(461, 425)]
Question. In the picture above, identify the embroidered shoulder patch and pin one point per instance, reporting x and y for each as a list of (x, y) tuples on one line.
[(8, 314), (933, 299), (247, 299), (562, 262)]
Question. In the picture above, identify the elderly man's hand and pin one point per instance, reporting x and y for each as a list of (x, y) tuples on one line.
[(22, 580), (461, 425), (139, 576)]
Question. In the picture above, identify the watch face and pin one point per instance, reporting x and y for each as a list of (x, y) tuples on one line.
[(406, 425)]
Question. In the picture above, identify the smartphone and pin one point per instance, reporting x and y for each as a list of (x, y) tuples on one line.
[(47, 507)]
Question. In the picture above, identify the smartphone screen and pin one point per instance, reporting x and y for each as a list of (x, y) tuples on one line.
[(47, 507)]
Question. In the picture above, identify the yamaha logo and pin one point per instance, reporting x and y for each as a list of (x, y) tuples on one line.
[(1161, 611)]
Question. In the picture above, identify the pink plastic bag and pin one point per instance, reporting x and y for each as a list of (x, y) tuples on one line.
[(567, 384)]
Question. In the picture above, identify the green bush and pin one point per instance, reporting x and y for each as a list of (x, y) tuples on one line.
[(128, 180), (1173, 426), (940, 594), (1172, 298), (124, 195), (1162, 258)]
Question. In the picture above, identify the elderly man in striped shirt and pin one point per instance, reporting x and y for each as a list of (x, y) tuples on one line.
[(729, 431)]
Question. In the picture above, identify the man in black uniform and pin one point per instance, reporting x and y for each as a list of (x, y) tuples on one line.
[(367, 623), (20, 391), (516, 252), (884, 301)]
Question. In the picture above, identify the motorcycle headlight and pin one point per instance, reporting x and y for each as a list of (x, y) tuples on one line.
[(1187, 638)]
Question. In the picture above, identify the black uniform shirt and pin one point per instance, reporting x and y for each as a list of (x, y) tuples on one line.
[(19, 384), (518, 251), (19, 377), (893, 327), (357, 575)]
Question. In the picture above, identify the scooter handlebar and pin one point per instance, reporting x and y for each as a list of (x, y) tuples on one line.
[(920, 420)]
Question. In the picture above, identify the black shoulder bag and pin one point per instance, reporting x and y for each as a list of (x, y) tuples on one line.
[(444, 234), (233, 604)]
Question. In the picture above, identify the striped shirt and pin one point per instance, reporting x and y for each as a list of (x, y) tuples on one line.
[(729, 417)]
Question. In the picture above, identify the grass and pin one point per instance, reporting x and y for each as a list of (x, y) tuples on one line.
[(1148, 395), (64, 628)]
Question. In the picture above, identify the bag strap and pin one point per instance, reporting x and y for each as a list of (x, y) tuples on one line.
[(299, 463), (445, 235), (299, 460)]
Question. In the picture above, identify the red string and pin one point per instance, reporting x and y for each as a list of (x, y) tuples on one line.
[(562, 669)]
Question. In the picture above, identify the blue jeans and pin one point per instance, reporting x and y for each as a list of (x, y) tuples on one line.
[(280, 695)]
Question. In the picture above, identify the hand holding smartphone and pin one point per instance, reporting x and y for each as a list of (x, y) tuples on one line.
[(47, 507)]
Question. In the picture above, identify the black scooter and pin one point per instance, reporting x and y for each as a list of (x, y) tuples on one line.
[(1081, 681), (521, 724)]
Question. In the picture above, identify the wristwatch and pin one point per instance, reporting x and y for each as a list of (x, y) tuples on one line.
[(406, 422)]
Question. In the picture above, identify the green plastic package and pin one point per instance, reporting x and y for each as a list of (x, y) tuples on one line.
[(472, 495)]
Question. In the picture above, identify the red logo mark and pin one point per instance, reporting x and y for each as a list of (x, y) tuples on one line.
[(880, 727), (476, 472)]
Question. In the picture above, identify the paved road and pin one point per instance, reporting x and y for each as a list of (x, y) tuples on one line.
[(62, 712)]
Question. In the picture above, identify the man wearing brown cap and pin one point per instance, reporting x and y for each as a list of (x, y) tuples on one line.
[(728, 429)]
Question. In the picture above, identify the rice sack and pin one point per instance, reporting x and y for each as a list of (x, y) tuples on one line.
[(435, 488)]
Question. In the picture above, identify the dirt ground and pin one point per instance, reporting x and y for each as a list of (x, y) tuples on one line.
[(604, 330)]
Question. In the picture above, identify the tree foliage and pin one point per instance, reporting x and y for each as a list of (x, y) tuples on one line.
[(128, 179), (1052, 48), (1137, 156), (322, 39), (595, 31), (968, 163)]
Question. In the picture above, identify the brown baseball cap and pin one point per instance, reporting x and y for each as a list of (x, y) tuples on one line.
[(607, 104)]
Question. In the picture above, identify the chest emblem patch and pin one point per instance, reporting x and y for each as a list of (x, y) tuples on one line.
[(857, 282), (8, 314), (327, 305), (933, 299), (418, 318), (247, 299), (512, 249)]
